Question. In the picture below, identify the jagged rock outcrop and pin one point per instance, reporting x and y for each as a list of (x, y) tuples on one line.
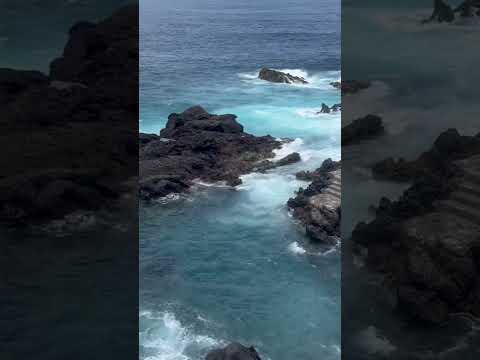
[(198, 145), (327, 109), (350, 86), (318, 206), (362, 129), (71, 136), (276, 76), (426, 243), (234, 351)]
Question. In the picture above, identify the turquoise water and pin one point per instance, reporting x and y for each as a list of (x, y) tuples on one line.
[(221, 265)]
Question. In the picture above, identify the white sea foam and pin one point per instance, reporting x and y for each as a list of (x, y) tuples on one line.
[(315, 113), (288, 148), (295, 248), (218, 184), (166, 338), (169, 198)]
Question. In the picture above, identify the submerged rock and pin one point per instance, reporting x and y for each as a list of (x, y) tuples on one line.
[(234, 351), (280, 77), (198, 145)]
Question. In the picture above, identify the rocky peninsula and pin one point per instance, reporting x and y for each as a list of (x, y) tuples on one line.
[(196, 145)]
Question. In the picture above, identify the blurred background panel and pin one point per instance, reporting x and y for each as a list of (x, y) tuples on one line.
[(410, 146)]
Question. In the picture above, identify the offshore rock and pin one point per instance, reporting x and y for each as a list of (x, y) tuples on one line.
[(280, 77)]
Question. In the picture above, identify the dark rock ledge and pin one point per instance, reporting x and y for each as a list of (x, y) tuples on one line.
[(198, 145), (318, 206)]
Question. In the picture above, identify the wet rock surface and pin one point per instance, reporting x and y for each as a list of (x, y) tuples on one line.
[(317, 207), (329, 109), (71, 135), (196, 145), (276, 76)]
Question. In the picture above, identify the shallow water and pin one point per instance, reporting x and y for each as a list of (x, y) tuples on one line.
[(222, 265)]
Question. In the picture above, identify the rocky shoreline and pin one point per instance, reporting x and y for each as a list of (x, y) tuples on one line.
[(317, 207), (426, 243), (196, 145)]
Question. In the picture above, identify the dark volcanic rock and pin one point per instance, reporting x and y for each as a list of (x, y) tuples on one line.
[(234, 351), (350, 86), (199, 145), (318, 206), (280, 77), (327, 109), (362, 129), (287, 160), (81, 121)]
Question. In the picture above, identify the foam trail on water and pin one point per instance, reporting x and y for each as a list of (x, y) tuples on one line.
[(295, 248), (163, 337)]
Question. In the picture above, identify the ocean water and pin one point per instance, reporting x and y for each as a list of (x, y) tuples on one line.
[(219, 264)]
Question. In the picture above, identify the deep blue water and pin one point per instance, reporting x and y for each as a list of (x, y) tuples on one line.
[(222, 265)]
